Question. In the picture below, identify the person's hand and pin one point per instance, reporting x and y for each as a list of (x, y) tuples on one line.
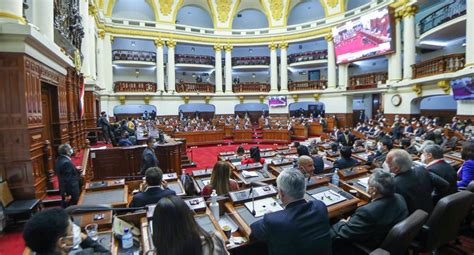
[(164, 184), (67, 198)]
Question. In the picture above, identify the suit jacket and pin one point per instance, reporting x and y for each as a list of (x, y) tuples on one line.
[(68, 175), (345, 163), (371, 223), (318, 163), (301, 228), (151, 196), (342, 139), (447, 172), (416, 185), (148, 160)]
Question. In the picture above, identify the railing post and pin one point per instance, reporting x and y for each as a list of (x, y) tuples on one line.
[(48, 164)]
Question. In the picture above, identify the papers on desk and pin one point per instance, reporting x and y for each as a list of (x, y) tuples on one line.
[(225, 220), (206, 181), (249, 174), (264, 206), (329, 197), (237, 163), (364, 182)]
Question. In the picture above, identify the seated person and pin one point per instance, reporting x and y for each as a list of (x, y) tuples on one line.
[(318, 163), (301, 228), (155, 189), (240, 151), (406, 145), (124, 141), (415, 184), (175, 231), (346, 138), (220, 180), (51, 231), (306, 166), (384, 145), (371, 223), (346, 160), (254, 157), (433, 158), (466, 171)]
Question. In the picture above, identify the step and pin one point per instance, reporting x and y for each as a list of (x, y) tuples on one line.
[(52, 192), (191, 164), (48, 203)]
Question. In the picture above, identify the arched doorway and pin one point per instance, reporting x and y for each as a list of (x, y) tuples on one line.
[(306, 109), (132, 110), (253, 110), (197, 110)]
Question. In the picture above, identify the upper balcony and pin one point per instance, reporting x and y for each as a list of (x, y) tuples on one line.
[(307, 85), (367, 81), (194, 62), (133, 58), (443, 64), (251, 63), (195, 87), (250, 87), (308, 59), (135, 87)]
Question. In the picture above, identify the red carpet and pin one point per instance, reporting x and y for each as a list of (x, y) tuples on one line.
[(12, 242)]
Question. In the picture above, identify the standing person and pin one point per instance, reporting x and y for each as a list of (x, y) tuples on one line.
[(148, 156), (68, 176), (106, 129), (176, 232), (220, 180)]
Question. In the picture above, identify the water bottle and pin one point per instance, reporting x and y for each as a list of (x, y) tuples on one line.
[(127, 239), (335, 178), (214, 205)]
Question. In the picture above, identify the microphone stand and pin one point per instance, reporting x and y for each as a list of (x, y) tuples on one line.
[(253, 199)]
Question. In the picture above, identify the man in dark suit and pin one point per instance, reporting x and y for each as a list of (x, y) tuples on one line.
[(384, 145), (415, 184), (346, 138), (433, 157), (155, 189), (318, 161), (148, 156), (345, 160), (405, 143), (104, 123), (68, 176), (370, 223), (301, 228)]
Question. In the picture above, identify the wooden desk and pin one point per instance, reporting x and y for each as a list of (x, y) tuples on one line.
[(315, 129), (263, 176), (202, 137), (228, 131), (243, 136), (300, 132), (102, 185), (276, 136), (352, 172), (115, 197), (86, 218), (353, 184)]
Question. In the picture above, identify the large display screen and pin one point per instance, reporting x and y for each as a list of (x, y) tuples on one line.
[(367, 36), (277, 101), (463, 88)]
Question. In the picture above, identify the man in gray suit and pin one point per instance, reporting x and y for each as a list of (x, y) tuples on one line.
[(148, 156)]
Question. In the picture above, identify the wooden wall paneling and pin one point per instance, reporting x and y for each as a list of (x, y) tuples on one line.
[(90, 114), (342, 119)]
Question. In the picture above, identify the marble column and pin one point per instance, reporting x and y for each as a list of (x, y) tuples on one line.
[(228, 67), (108, 68), (273, 67), (160, 71), (409, 40), (283, 66), (100, 58), (331, 63), (43, 17), (395, 60), (343, 70), (218, 67), (170, 66), (11, 11)]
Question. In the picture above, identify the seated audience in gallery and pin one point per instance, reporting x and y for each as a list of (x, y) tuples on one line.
[(466, 171), (175, 231), (371, 223), (345, 160), (254, 157), (318, 163), (220, 180), (154, 189)]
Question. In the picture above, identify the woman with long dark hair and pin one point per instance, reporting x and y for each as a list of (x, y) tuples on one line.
[(254, 156), (176, 232), (220, 180)]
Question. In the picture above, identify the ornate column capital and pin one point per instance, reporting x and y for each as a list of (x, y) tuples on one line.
[(92, 10), (101, 34), (409, 11), (171, 44), (159, 43), (112, 38), (283, 45), (217, 47), (273, 46), (228, 48), (328, 37)]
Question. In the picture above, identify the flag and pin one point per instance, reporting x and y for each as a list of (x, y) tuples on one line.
[(81, 100)]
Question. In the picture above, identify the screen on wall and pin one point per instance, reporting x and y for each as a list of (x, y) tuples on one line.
[(463, 88), (367, 36), (277, 101)]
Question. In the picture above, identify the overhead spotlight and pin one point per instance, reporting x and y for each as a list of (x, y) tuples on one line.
[(137, 73), (253, 75), (133, 43), (250, 50), (193, 49), (194, 75)]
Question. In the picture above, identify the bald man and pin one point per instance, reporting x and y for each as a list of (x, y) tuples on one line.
[(306, 165)]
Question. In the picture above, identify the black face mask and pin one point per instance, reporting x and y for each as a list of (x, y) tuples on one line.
[(346, 132)]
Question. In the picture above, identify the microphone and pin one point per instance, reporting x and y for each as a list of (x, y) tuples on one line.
[(93, 208), (253, 200)]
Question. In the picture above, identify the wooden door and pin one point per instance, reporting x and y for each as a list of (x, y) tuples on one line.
[(46, 114)]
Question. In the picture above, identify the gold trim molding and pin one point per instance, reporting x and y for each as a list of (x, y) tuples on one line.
[(9, 15)]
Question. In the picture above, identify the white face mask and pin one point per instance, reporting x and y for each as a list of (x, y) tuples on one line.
[(73, 242), (423, 158), (379, 147), (385, 167)]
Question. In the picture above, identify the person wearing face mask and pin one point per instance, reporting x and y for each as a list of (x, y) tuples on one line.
[(68, 176), (432, 156), (345, 160), (415, 184), (419, 131), (305, 165), (318, 162), (51, 232), (371, 223), (384, 145), (346, 138)]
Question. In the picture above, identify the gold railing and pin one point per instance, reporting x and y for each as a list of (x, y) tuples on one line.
[(200, 87), (439, 65), (367, 81), (307, 85)]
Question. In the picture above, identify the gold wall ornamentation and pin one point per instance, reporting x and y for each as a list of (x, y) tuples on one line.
[(166, 6), (228, 48), (171, 44), (207, 99), (296, 97), (276, 8), (9, 15), (316, 96), (92, 10), (445, 86), (332, 3), (217, 47), (417, 89), (241, 99), (223, 9), (159, 43), (273, 46), (186, 99), (146, 99), (110, 7), (122, 99), (112, 38), (283, 45), (101, 34), (409, 11), (261, 98), (328, 37)]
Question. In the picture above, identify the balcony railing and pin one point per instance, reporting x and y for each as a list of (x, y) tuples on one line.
[(131, 86), (194, 59), (307, 85), (250, 87), (134, 55), (439, 65), (184, 87), (246, 61), (444, 14), (307, 56), (367, 81)]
